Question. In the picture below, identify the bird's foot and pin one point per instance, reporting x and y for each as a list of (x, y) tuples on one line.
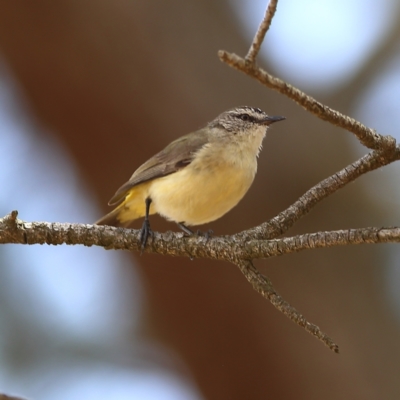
[(189, 232), (144, 234), (208, 234)]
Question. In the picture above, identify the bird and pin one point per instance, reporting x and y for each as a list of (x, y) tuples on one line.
[(198, 177)]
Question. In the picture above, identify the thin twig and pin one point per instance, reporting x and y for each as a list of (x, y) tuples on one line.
[(264, 286), (368, 137), (262, 30), (287, 218)]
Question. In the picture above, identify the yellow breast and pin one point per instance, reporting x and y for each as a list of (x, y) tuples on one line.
[(203, 191)]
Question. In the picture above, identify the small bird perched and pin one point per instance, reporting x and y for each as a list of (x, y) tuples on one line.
[(197, 178)]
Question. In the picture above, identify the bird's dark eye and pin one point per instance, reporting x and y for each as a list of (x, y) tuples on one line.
[(244, 117)]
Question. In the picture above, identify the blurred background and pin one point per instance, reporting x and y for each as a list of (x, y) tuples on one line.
[(88, 92)]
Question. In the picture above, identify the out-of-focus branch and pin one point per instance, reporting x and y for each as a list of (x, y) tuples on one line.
[(7, 397), (377, 61)]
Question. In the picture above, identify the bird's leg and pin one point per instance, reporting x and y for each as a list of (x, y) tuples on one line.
[(185, 229), (146, 231), (189, 232)]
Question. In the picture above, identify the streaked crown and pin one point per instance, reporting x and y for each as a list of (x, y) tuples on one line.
[(243, 118)]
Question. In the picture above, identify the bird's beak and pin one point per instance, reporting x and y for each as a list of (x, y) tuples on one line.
[(270, 120)]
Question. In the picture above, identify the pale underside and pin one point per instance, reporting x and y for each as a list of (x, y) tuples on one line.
[(194, 180), (192, 195)]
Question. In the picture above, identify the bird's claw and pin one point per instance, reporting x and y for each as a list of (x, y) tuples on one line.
[(144, 234), (208, 234)]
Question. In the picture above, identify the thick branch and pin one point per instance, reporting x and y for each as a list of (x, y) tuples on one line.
[(226, 248), (13, 230), (368, 137)]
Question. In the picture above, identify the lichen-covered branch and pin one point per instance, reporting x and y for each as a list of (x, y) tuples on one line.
[(228, 248), (224, 248)]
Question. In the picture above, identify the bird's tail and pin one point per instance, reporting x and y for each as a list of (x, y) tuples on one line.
[(131, 208), (112, 219)]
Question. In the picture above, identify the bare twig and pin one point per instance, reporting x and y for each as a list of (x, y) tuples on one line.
[(385, 152), (368, 137), (308, 241), (13, 230), (264, 286), (262, 30), (226, 248), (287, 218)]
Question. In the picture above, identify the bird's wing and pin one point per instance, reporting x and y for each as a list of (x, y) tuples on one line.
[(175, 156)]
